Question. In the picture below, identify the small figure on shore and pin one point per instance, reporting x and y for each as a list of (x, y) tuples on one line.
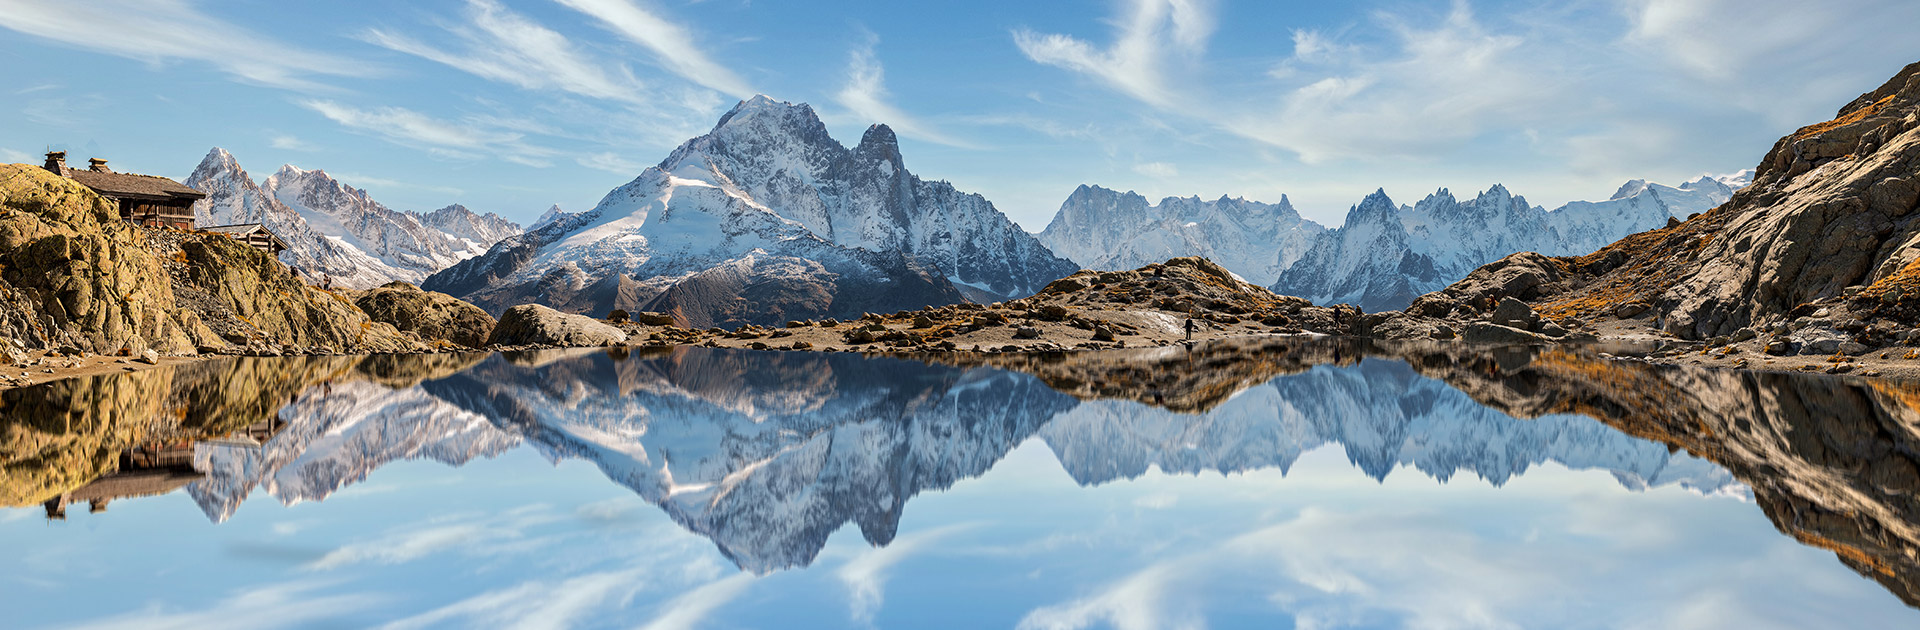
[(1189, 329)]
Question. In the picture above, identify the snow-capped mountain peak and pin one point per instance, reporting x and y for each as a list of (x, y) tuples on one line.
[(1105, 229), (551, 215), (1380, 259), (767, 188), (337, 233)]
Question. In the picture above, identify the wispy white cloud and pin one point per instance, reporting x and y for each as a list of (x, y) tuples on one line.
[(1152, 36), (1161, 170), (290, 143), (467, 534), (610, 162), (671, 43), (1136, 602), (1780, 58), (687, 611), (462, 140), (64, 111), (865, 576), (11, 155), (1433, 88), (291, 605), (533, 605), (865, 93), (1587, 91), (157, 31), (360, 180), (500, 45)]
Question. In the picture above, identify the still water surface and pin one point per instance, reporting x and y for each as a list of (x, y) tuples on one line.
[(1278, 484)]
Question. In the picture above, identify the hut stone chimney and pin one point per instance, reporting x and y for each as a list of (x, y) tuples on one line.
[(57, 162), (98, 165)]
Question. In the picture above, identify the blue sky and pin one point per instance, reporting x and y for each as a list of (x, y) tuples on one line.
[(512, 105)]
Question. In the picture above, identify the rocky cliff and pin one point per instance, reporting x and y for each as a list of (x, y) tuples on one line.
[(1383, 256), (1820, 253)]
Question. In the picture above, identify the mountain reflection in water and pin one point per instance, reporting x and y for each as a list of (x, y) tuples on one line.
[(766, 454)]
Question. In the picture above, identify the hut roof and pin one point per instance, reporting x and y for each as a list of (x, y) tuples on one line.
[(129, 185), (137, 483)]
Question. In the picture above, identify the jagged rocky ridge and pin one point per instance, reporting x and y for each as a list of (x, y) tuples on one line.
[(1382, 256), (767, 207), (1385, 255), (336, 233), (769, 453), (1106, 230), (1820, 254)]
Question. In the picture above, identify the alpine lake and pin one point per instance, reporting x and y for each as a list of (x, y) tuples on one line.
[(1283, 482)]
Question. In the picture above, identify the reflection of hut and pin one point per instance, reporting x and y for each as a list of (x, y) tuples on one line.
[(144, 471), (144, 199), (156, 469)]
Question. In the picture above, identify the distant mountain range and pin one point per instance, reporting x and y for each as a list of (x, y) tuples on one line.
[(1106, 230), (764, 219), (337, 233), (767, 218), (1382, 256)]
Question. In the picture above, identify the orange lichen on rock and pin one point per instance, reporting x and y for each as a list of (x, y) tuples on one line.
[(1851, 118)]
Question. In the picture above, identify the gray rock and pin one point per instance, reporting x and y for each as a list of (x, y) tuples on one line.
[(1026, 332), (1514, 313), (1815, 340), (1744, 334), (149, 357), (1629, 310), (1779, 347), (530, 324), (1552, 330)]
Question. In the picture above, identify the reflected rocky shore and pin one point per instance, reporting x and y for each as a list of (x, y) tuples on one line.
[(768, 453)]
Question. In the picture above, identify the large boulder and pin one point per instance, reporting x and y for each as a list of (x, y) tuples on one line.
[(533, 324), (430, 314)]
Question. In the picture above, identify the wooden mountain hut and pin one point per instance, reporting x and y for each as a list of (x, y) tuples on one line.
[(144, 199)]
